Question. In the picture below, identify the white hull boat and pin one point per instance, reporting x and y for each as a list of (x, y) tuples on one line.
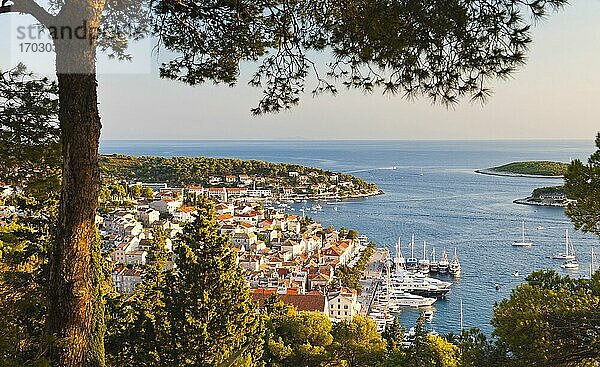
[(565, 255), (522, 243)]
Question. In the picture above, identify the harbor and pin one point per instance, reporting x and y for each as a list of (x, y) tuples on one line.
[(435, 194), (391, 284)]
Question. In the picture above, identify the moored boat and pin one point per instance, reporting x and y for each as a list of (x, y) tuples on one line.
[(410, 300), (522, 243), (454, 267), (412, 263), (444, 264), (565, 255), (424, 262), (433, 265)]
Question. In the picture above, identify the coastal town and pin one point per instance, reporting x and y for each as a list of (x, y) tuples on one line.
[(283, 253)]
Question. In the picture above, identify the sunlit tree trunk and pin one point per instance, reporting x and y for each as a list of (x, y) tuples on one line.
[(73, 288)]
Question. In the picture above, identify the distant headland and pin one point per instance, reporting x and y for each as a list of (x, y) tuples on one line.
[(533, 169)]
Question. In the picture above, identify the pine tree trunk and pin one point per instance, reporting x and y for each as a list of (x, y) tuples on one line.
[(74, 300)]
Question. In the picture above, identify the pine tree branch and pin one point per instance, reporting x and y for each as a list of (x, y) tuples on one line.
[(27, 7)]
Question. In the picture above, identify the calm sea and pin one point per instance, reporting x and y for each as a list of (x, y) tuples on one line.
[(431, 191)]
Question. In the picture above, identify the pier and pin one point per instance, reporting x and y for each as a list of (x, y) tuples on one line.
[(371, 279)]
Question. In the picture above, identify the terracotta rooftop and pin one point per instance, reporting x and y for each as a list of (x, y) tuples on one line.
[(302, 302)]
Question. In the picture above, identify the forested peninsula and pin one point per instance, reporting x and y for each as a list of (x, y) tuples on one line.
[(205, 171)]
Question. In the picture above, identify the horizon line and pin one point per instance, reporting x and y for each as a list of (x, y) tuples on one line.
[(349, 139)]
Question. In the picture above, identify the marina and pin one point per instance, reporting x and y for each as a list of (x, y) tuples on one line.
[(450, 206), (390, 285)]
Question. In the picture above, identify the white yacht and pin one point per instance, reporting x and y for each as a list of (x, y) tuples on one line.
[(412, 263), (444, 264), (418, 284), (399, 259), (567, 255), (454, 267), (570, 264), (434, 266), (424, 262), (522, 243), (407, 299)]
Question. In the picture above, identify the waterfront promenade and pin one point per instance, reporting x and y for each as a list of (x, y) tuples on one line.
[(372, 279)]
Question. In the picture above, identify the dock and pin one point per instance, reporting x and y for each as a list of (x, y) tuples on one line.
[(372, 278)]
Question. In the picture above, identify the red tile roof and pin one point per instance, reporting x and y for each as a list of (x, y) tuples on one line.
[(302, 302)]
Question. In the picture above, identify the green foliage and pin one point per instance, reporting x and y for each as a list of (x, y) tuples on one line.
[(430, 350), (186, 170), (550, 320), (540, 168), (137, 324), (582, 183), (296, 339), (357, 343), (209, 310), (548, 190), (200, 313), (350, 276), (477, 350), (135, 191), (352, 234), (441, 50), (29, 138), (22, 311), (394, 335), (30, 151)]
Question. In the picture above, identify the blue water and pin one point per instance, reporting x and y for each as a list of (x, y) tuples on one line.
[(434, 193)]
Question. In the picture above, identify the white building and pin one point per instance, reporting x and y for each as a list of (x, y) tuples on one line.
[(166, 205), (343, 305)]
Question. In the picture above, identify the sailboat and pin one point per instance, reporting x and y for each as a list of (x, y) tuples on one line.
[(522, 243), (399, 260), (433, 265), (424, 263), (444, 264), (565, 255), (571, 263), (454, 267), (412, 263)]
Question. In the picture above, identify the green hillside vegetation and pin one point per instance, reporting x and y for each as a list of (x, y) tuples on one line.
[(197, 170), (540, 168), (548, 190)]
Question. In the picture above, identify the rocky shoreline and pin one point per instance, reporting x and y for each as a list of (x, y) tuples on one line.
[(492, 172), (338, 197), (532, 201)]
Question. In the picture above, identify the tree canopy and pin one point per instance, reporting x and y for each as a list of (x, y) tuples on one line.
[(442, 50), (582, 183), (551, 321)]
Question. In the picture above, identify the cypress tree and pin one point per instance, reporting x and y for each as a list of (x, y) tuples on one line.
[(137, 322), (210, 314)]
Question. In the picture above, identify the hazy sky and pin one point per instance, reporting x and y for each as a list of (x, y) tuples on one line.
[(556, 95)]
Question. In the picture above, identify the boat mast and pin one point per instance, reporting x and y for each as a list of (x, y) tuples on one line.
[(388, 284), (592, 264), (567, 242), (424, 250), (461, 316), (398, 256), (412, 247)]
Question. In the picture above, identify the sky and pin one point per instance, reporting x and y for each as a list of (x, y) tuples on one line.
[(555, 96)]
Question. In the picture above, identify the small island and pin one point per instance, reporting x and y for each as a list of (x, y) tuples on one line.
[(547, 196), (534, 169)]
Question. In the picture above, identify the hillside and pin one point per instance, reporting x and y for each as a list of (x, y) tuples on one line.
[(200, 170), (529, 168)]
